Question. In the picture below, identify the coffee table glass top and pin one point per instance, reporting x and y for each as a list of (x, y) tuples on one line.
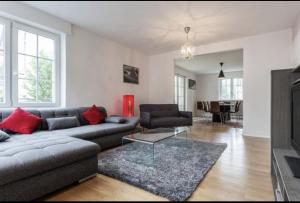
[(155, 135)]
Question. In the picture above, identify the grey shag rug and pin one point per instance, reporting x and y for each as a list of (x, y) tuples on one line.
[(179, 165)]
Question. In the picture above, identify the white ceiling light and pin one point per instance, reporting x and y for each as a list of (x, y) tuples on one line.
[(188, 49)]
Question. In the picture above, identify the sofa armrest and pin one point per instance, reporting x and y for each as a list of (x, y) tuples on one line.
[(115, 119), (186, 114), (145, 119), (133, 121)]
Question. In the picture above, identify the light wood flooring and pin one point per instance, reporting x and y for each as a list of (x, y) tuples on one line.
[(241, 173)]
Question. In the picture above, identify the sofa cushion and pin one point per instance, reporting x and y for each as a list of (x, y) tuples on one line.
[(87, 132), (158, 114), (83, 109), (93, 116), (57, 113), (112, 128), (4, 113), (169, 121), (24, 156), (90, 132), (62, 123), (158, 107), (21, 121), (3, 136)]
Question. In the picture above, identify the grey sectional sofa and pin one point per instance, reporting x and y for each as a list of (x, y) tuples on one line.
[(40, 163)]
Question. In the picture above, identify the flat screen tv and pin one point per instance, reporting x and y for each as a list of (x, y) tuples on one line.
[(294, 162)]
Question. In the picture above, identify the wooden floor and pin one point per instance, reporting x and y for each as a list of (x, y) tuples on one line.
[(241, 173)]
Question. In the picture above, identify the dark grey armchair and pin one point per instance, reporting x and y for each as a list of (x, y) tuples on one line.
[(164, 115)]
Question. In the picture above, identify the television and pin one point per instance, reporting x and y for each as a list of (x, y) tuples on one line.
[(294, 162)]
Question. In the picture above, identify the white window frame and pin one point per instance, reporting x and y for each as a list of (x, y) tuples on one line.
[(231, 89), (56, 38), (184, 91), (7, 62)]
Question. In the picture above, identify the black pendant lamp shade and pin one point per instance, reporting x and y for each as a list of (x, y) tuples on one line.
[(221, 74)]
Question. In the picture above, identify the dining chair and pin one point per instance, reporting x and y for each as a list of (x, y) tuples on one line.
[(240, 116), (206, 109), (236, 109), (216, 109), (200, 107)]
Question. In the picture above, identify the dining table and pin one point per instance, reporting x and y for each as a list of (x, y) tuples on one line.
[(225, 107)]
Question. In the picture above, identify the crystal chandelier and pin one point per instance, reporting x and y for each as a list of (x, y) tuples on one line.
[(187, 50)]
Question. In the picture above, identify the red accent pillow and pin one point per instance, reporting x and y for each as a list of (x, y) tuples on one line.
[(93, 115), (21, 121)]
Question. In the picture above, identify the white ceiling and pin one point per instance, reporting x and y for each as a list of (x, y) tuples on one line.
[(155, 27), (210, 63)]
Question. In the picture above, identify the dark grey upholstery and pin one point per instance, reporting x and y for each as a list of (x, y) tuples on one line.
[(44, 161), (21, 157), (3, 136), (115, 119), (62, 123), (169, 122), (164, 115), (41, 184)]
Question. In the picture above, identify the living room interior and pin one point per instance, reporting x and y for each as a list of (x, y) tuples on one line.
[(149, 101)]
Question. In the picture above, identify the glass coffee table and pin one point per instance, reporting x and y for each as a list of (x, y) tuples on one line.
[(153, 136)]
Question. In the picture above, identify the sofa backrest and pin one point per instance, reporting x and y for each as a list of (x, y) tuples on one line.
[(160, 110), (53, 113)]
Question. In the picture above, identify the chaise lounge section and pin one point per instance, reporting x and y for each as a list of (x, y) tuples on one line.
[(36, 164)]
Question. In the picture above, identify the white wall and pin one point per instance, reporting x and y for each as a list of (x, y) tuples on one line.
[(190, 94), (261, 54), (208, 85), (94, 72), (296, 43)]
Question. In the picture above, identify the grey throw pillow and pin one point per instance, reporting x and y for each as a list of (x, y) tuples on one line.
[(3, 136), (62, 123), (115, 119)]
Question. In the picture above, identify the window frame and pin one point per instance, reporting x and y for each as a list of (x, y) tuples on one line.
[(233, 86), (184, 91), (7, 62), (14, 73), (231, 89)]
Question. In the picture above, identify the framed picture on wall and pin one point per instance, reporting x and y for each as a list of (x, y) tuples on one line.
[(192, 84), (130, 74)]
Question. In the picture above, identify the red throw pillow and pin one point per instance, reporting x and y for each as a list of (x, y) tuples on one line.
[(93, 115), (21, 121)]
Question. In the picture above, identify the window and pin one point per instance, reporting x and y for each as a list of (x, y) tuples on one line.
[(34, 72), (180, 94), (231, 89), (4, 62), (237, 88)]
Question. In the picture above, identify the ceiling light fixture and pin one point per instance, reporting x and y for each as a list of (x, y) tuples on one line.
[(187, 50), (221, 74)]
